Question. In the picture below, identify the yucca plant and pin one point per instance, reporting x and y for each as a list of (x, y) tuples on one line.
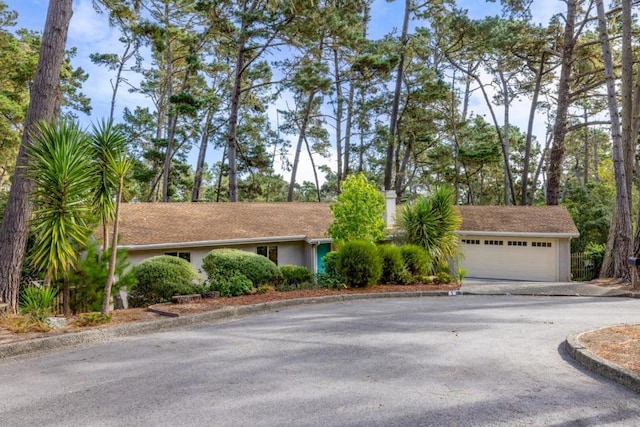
[(60, 167), (431, 222), (107, 143), (37, 302)]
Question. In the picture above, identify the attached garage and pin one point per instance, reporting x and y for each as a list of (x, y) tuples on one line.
[(517, 243)]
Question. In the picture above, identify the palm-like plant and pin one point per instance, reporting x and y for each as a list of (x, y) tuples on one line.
[(107, 143), (119, 166), (431, 222), (60, 167)]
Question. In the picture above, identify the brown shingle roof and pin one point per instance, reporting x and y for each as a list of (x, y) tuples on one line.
[(158, 223), (517, 219)]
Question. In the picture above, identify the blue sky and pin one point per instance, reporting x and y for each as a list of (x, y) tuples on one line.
[(90, 33)]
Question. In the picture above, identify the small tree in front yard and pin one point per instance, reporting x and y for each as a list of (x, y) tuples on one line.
[(358, 212), (431, 222)]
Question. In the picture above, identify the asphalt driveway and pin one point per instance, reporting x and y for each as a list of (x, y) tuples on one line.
[(448, 361)]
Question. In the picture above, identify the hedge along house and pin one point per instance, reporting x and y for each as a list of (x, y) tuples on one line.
[(517, 242), (286, 233)]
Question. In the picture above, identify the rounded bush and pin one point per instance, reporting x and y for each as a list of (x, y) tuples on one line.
[(225, 262), (331, 278), (393, 270), (231, 286), (416, 261), (359, 263), (161, 277), (295, 275)]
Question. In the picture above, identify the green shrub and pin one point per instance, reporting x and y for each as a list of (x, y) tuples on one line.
[(258, 269), (232, 285), (93, 319), (36, 302), (294, 275), (444, 277), (89, 278), (161, 277), (393, 270), (595, 252), (331, 278), (359, 263), (416, 261)]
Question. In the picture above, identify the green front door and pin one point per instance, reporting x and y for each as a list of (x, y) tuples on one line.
[(321, 251)]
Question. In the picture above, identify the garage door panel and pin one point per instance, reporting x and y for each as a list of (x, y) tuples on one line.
[(528, 262)]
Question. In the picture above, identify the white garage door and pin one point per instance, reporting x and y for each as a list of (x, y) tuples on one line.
[(510, 258)]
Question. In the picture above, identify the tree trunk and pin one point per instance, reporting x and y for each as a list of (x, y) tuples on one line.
[(42, 107), (106, 298), (204, 142), (315, 172), (560, 126), (524, 198), (347, 130), (508, 182), (301, 138), (619, 243), (388, 166), (339, 112)]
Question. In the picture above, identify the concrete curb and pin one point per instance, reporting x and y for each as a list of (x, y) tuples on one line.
[(105, 334), (599, 365)]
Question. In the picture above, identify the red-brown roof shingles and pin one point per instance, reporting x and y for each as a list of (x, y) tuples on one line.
[(159, 223), (517, 219)]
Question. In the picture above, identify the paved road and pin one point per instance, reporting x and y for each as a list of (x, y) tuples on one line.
[(450, 361)]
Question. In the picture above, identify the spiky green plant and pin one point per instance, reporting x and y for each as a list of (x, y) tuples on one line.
[(107, 144), (37, 302), (60, 167), (431, 222)]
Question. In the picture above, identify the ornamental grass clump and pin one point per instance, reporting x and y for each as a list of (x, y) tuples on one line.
[(37, 302)]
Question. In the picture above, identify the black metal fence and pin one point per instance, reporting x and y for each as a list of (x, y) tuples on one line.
[(582, 268)]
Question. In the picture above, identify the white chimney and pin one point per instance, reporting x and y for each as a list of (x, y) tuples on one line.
[(390, 207)]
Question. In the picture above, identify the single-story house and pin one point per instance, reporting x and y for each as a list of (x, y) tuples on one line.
[(286, 233), (517, 242), (498, 242)]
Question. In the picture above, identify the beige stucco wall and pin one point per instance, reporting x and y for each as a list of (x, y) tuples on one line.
[(564, 260), (289, 253)]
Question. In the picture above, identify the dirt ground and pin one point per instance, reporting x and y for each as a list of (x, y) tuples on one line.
[(619, 344)]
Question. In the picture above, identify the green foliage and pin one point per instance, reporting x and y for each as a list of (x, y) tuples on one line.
[(89, 278), (331, 278), (430, 222), (161, 277), (295, 275), (393, 270), (231, 285), (37, 302), (416, 261), (221, 263), (93, 319), (591, 208), (444, 277), (61, 170), (358, 212), (359, 263), (595, 252)]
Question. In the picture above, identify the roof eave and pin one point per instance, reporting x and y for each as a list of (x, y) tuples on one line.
[(205, 243), (517, 234)]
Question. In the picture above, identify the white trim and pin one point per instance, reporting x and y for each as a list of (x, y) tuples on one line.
[(205, 243), (516, 234)]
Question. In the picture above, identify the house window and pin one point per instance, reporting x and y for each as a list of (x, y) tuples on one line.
[(184, 255), (541, 244), (471, 241), (516, 243), (270, 252), (494, 242)]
